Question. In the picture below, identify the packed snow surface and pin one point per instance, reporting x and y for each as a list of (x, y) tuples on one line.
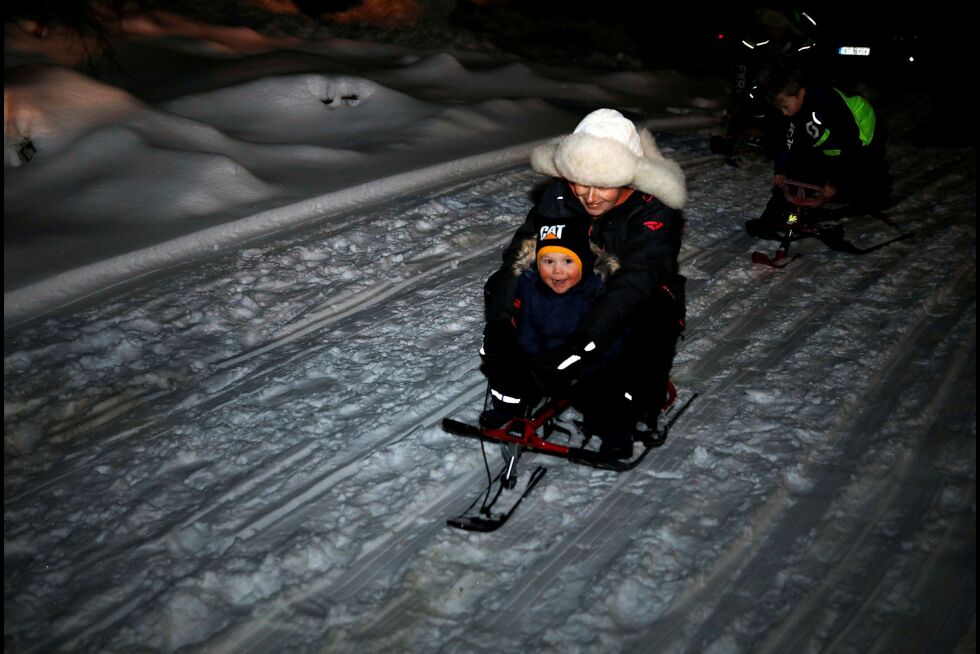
[(237, 310)]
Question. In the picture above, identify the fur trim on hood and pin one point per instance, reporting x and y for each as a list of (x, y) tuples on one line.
[(586, 159), (605, 263)]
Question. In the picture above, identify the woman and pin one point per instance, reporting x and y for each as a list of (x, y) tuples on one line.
[(613, 174)]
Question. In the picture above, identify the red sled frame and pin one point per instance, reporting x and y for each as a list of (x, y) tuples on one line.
[(527, 433), (522, 433), (797, 227)]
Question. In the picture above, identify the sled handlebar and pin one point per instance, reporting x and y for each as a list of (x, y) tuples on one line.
[(796, 194)]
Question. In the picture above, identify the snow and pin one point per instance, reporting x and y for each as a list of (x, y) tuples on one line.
[(238, 304)]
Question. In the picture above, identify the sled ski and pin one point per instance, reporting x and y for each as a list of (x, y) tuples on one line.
[(534, 434), (809, 219), (485, 520)]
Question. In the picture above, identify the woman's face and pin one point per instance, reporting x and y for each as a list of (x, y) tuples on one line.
[(597, 200)]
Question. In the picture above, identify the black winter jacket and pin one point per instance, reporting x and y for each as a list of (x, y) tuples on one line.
[(642, 237), (825, 127)]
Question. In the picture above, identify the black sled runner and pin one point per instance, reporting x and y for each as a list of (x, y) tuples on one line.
[(537, 434), (809, 220)]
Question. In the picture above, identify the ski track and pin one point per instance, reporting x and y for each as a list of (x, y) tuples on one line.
[(600, 525), (575, 551), (736, 593), (236, 491), (730, 344), (216, 391)]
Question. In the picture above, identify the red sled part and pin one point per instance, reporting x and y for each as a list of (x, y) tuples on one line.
[(532, 433)]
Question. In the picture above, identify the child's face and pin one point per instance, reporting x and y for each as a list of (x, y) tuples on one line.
[(559, 271), (789, 104), (597, 200)]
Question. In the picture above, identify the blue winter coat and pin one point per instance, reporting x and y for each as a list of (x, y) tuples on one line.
[(545, 319)]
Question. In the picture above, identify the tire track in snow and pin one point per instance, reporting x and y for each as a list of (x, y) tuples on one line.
[(317, 487), (609, 517), (608, 522), (114, 607), (333, 312), (361, 577), (752, 581), (571, 553), (904, 500), (227, 379), (927, 328), (286, 505), (340, 307), (110, 608), (612, 520), (345, 306)]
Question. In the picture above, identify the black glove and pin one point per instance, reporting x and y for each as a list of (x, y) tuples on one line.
[(556, 370), (499, 339), (502, 360)]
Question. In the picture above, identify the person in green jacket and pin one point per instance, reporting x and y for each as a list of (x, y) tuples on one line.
[(833, 141)]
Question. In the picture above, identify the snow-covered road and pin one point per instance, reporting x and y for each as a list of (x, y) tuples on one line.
[(243, 454)]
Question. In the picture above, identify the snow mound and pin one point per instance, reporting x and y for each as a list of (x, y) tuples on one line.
[(320, 109), (52, 106)]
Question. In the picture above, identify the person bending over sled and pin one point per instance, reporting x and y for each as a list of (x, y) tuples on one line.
[(614, 364), (832, 141)]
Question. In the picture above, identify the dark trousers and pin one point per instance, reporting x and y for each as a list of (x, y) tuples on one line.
[(632, 386), (861, 179), (867, 185)]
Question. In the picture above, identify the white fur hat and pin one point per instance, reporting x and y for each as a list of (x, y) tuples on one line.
[(606, 150)]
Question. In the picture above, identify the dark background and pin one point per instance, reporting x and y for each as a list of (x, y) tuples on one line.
[(699, 40)]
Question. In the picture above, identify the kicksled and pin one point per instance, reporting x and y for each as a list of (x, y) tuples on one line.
[(543, 433), (808, 219)]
